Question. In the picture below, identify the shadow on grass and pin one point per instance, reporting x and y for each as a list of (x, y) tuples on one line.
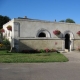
[(5, 54), (45, 54)]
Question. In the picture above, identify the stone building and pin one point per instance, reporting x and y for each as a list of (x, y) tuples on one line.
[(28, 34)]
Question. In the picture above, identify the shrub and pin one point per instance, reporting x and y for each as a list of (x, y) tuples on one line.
[(47, 50), (42, 51), (30, 51), (6, 43), (2, 30), (39, 51), (1, 45), (25, 51), (53, 50)]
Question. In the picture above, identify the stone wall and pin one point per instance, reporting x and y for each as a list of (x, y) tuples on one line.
[(30, 28), (76, 44), (30, 44), (26, 31)]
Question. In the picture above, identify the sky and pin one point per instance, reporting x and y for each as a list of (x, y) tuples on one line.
[(41, 9)]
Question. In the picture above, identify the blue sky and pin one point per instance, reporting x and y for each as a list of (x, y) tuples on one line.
[(41, 9)]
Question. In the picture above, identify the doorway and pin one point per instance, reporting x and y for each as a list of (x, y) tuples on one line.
[(67, 42)]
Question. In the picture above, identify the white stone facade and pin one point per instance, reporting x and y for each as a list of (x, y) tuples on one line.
[(27, 33)]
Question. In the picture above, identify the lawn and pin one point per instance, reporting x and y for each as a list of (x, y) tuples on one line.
[(31, 58)]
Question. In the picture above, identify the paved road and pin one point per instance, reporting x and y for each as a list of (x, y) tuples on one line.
[(73, 56), (42, 71)]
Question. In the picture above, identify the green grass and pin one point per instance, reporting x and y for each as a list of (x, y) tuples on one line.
[(30, 58)]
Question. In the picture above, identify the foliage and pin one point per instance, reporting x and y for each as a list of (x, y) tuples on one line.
[(78, 33), (53, 50), (6, 42), (39, 51), (68, 20), (3, 20), (42, 50), (9, 28), (30, 58), (62, 21), (56, 32), (1, 45), (2, 30), (47, 50)]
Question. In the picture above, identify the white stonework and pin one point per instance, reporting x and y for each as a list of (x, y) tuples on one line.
[(27, 33)]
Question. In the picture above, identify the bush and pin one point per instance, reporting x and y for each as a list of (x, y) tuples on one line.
[(53, 50), (30, 51), (42, 51), (39, 51), (6, 43), (2, 46), (47, 50)]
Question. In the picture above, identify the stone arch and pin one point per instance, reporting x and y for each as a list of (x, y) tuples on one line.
[(70, 33), (68, 42), (43, 31)]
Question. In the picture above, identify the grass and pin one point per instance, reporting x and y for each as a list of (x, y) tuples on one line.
[(31, 58)]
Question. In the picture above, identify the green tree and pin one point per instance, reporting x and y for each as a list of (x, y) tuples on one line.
[(62, 21), (3, 20), (68, 21)]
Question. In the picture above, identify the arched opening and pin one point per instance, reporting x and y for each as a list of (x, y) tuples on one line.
[(42, 34), (67, 41)]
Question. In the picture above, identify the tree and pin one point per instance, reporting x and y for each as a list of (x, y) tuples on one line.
[(62, 21), (3, 20), (68, 21)]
